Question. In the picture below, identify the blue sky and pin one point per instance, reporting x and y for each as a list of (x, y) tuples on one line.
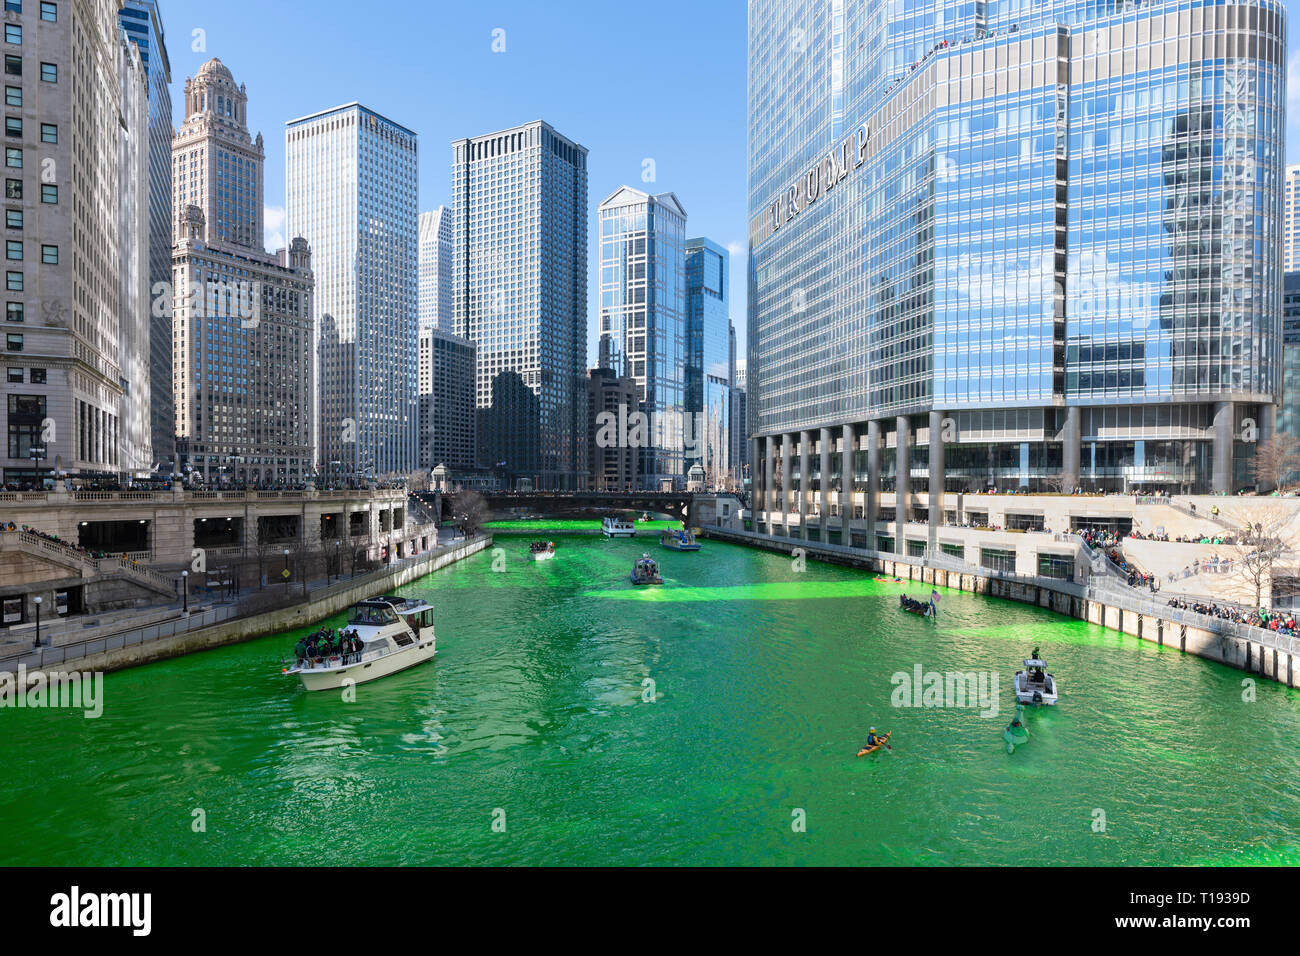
[(631, 81)]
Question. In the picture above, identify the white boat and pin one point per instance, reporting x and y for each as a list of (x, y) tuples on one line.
[(646, 570), (675, 540), (542, 550), (617, 528), (1034, 685), (395, 633)]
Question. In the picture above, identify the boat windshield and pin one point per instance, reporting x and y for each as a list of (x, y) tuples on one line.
[(371, 614)]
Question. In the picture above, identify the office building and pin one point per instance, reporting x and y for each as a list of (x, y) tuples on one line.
[(435, 269), (351, 192), (643, 331), (520, 295), (1291, 218), (710, 356), (446, 388), (1010, 248), (611, 398)]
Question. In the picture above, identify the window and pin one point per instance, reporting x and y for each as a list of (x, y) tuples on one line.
[(13, 65), (13, 96), (13, 33), (13, 126), (49, 73), (13, 157), (14, 249), (50, 12), (50, 255), (15, 5), (14, 342), (14, 218), (15, 376), (13, 189), (14, 312), (14, 281), (49, 194), (49, 133), (38, 376)]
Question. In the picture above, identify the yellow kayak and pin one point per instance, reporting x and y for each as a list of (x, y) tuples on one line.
[(880, 742)]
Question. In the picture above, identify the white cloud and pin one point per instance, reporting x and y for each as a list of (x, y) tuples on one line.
[(273, 227), (736, 247)]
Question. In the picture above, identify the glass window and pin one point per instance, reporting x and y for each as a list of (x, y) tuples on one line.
[(13, 33), (14, 342), (15, 376), (49, 73), (49, 133), (13, 157), (13, 312), (13, 65), (14, 281), (15, 5), (38, 376), (50, 255), (13, 96), (13, 126), (14, 218), (14, 249), (49, 193), (50, 12)]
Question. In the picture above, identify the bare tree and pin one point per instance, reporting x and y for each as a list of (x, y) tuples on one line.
[(1264, 547), (418, 480), (471, 512), (1277, 461), (1059, 483)]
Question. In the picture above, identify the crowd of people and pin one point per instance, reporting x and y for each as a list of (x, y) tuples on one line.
[(1284, 624), (1212, 565), (1227, 539), (75, 546), (327, 643), (1109, 544)]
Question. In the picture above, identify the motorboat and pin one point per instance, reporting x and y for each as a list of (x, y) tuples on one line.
[(390, 634), (616, 527), (1034, 685), (913, 606), (542, 550), (646, 570), (679, 541)]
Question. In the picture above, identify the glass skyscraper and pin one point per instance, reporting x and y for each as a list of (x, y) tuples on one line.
[(643, 319), (351, 192), (1011, 245), (435, 269), (519, 293), (709, 361)]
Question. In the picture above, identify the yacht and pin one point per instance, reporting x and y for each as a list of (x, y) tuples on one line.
[(679, 541), (394, 633), (617, 528), (1034, 685), (542, 550)]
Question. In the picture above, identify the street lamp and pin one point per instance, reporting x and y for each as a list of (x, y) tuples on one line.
[(37, 601), (185, 589), (286, 571)]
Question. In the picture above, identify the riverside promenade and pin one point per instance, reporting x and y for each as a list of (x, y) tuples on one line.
[(204, 627), (1100, 601)]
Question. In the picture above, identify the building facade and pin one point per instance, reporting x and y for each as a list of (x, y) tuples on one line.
[(446, 387), (1009, 248), (1291, 220), (435, 269), (63, 377), (643, 321), (1288, 413), (710, 357), (351, 192), (519, 294), (141, 23), (243, 327), (135, 422), (610, 399)]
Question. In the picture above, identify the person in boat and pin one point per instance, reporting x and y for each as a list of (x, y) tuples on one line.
[(872, 739)]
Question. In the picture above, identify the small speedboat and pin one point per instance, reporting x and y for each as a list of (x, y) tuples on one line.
[(679, 541), (646, 570), (542, 550), (393, 633), (920, 608), (612, 527), (1034, 685)]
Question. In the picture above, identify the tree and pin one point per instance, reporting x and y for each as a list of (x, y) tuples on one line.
[(471, 511), (1265, 545), (1277, 461), (1059, 483)]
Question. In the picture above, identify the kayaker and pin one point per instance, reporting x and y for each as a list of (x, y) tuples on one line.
[(872, 739)]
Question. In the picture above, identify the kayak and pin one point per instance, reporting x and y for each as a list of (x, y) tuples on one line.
[(889, 580), (880, 742)]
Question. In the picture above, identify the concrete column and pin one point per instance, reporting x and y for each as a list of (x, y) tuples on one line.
[(936, 479), (1070, 437), (805, 480), (769, 479), (846, 484), (872, 495), (755, 456), (1222, 470), (1267, 430), (825, 492), (902, 480), (787, 478)]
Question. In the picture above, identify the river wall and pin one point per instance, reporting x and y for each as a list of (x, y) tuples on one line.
[(1268, 656)]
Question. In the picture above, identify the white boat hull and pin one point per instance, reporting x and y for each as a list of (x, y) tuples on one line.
[(543, 555), (1027, 694), (363, 671), (620, 533)]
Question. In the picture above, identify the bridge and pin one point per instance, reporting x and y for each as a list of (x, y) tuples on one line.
[(676, 504)]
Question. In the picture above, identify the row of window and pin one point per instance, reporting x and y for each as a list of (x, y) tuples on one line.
[(49, 253), (49, 11), (14, 376), (14, 65)]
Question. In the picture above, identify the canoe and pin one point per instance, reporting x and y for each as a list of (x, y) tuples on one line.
[(880, 742)]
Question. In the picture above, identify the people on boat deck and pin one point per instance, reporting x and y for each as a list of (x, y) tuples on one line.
[(327, 643)]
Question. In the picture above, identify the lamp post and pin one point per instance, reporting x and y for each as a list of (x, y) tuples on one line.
[(286, 572), (185, 590), (37, 601)]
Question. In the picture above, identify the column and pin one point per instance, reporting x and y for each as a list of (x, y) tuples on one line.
[(846, 484), (787, 478), (825, 503), (902, 481), (1070, 450), (872, 496), (769, 480), (936, 479), (804, 451), (754, 458), (1222, 473)]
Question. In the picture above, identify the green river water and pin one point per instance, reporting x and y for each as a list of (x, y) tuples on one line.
[(765, 680)]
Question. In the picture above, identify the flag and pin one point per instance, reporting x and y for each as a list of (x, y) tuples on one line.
[(934, 595)]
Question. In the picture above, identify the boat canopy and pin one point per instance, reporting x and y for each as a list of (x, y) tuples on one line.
[(1034, 662)]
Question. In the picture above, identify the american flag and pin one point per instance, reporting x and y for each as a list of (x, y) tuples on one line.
[(934, 596)]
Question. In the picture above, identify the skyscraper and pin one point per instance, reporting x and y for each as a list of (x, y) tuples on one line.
[(1291, 219), (709, 358), (1046, 243), (520, 295), (63, 382), (446, 388), (352, 193), (243, 328), (643, 330), (134, 422), (141, 23), (435, 269)]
